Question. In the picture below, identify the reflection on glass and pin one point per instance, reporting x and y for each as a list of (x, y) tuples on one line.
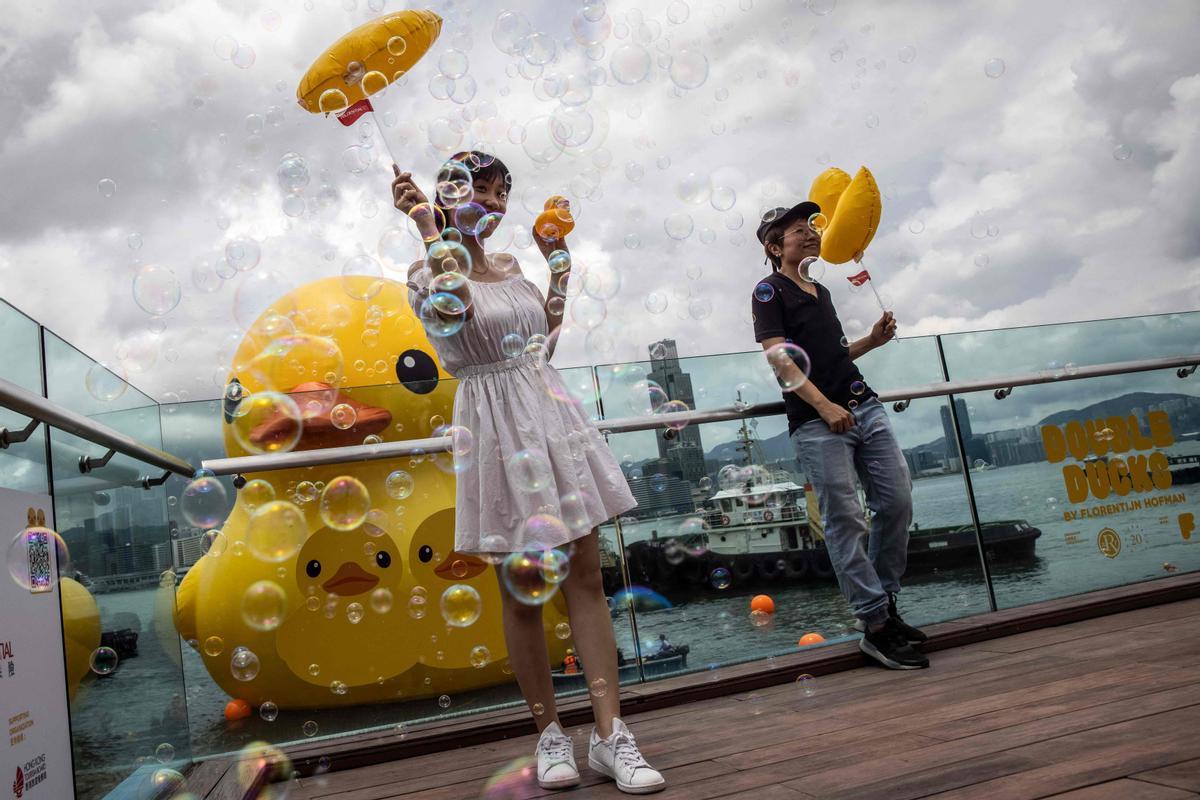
[(725, 516)]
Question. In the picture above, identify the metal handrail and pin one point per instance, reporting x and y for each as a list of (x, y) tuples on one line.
[(34, 406), (440, 444)]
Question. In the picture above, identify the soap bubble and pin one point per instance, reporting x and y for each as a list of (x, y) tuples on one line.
[(509, 32), (444, 701), (345, 502), (105, 382), (453, 64), (268, 711), (655, 302), (277, 531), (309, 728), (689, 69), (857, 388), (264, 606), (529, 470), (764, 292), (381, 601), (598, 687), (156, 289), (645, 397), (244, 664), (531, 575), (694, 188), (993, 67), (1122, 152), (806, 685), (678, 12), (243, 253), (267, 422), (214, 543), (399, 485), (332, 101), (107, 187), (204, 502), (448, 256), (243, 57), (630, 64), (461, 605), (479, 656), (678, 226), (719, 578), (25, 564), (292, 174), (104, 661), (785, 353), (723, 198)]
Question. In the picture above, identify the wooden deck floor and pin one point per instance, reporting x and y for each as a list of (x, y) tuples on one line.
[(1104, 708)]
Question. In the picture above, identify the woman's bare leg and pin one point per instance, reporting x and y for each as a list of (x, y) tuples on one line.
[(591, 628), (528, 657)]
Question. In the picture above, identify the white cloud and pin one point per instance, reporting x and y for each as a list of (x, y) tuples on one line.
[(138, 95)]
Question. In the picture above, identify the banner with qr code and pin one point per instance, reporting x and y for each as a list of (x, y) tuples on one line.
[(35, 736)]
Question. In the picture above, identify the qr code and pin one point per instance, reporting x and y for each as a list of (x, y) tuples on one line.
[(38, 542)]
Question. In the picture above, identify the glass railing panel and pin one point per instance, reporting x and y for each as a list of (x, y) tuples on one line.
[(1104, 469), (131, 719), (700, 546), (22, 464), (1058, 349), (368, 661)]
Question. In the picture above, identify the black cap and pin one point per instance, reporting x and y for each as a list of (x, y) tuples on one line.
[(782, 216)]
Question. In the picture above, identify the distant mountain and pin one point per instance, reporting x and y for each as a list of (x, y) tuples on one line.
[(773, 449), (1118, 406)]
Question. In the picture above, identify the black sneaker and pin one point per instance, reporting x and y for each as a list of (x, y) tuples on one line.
[(889, 647), (908, 631)]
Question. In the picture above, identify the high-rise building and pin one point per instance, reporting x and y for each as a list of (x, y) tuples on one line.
[(976, 448), (683, 449)]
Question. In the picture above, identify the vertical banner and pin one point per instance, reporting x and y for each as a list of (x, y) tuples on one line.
[(35, 743)]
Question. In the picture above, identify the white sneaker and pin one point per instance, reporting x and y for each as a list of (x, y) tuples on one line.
[(556, 759), (618, 757)]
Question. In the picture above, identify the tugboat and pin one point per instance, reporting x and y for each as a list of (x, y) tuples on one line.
[(762, 527)]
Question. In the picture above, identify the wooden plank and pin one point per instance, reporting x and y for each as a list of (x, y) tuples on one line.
[(1124, 789), (1182, 775), (1094, 756), (980, 713)]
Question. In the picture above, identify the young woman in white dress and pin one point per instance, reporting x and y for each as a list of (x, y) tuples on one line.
[(519, 405)]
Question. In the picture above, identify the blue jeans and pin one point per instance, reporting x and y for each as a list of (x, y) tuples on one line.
[(830, 462)]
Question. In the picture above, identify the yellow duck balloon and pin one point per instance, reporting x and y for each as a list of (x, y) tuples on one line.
[(299, 605), (852, 208)]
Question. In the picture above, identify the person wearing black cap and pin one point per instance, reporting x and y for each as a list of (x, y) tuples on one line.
[(839, 430)]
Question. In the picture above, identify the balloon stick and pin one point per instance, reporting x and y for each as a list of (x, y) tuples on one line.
[(383, 138)]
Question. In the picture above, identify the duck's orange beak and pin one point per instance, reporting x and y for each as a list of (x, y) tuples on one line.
[(460, 567), (319, 429), (350, 579)]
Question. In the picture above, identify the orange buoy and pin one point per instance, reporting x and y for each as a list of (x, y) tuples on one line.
[(810, 638), (764, 603), (237, 709)]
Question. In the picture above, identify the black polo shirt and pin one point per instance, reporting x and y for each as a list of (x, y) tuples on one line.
[(812, 323)]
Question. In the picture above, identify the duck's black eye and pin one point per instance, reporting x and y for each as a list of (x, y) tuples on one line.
[(425, 553), (417, 371), (313, 568), (383, 559)]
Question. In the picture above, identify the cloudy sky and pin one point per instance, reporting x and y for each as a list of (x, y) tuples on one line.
[(1037, 166)]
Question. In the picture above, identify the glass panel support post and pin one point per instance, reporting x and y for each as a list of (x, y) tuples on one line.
[(966, 473)]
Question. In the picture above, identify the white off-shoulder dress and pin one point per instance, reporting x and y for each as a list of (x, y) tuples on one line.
[(519, 405)]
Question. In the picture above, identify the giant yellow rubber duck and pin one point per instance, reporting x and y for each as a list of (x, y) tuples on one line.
[(321, 616)]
